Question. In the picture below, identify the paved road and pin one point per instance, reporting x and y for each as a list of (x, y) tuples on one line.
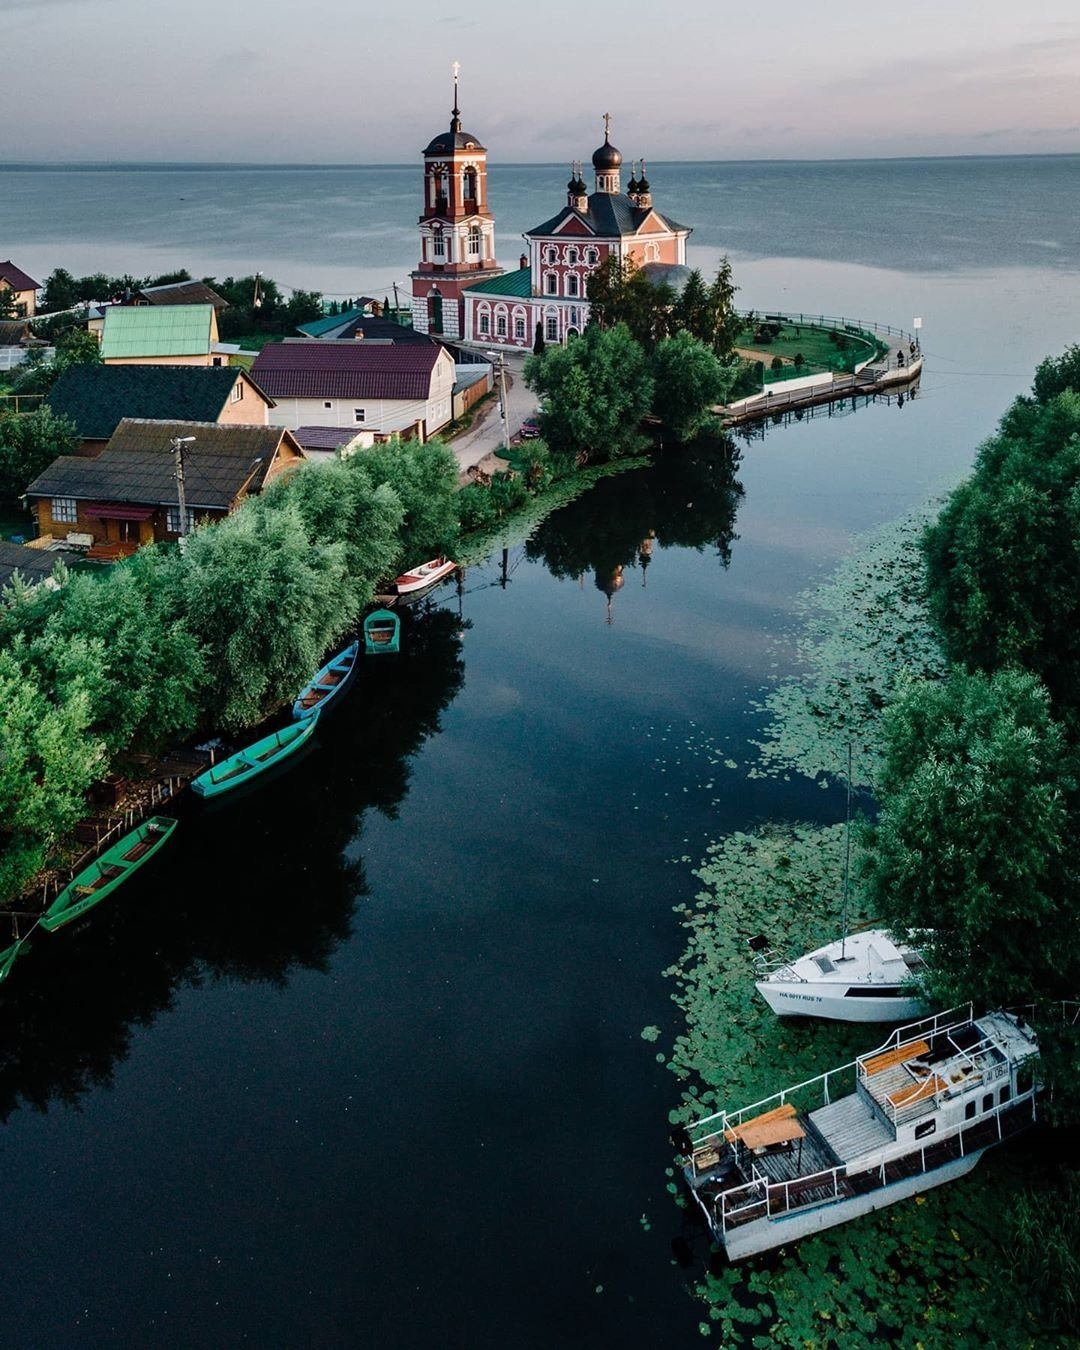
[(485, 436)]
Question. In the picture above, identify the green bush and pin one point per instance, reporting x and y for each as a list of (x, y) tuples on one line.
[(776, 363)]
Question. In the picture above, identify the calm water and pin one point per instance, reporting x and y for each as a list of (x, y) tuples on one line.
[(359, 1061)]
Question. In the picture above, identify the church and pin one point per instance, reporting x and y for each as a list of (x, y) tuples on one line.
[(459, 291)]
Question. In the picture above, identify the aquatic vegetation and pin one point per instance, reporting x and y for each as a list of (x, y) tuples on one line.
[(865, 632)]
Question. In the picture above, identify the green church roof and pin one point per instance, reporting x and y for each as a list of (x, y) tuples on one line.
[(157, 330), (515, 285)]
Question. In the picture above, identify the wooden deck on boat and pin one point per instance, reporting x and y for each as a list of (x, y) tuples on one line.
[(803, 1158), (898, 1090), (850, 1128)]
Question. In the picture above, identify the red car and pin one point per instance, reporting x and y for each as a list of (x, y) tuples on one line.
[(530, 429)]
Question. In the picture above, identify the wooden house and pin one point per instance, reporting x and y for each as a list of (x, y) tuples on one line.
[(23, 289), (159, 335), (127, 496)]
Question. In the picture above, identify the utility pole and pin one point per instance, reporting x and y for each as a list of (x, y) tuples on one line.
[(177, 444), (397, 307), (500, 368)]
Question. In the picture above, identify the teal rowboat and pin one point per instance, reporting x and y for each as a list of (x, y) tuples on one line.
[(107, 871), (382, 632), (7, 958), (328, 682), (254, 759)]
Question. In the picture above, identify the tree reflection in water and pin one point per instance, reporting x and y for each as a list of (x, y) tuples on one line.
[(687, 498), (252, 888)]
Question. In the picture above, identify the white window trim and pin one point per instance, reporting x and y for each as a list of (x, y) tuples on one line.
[(65, 510)]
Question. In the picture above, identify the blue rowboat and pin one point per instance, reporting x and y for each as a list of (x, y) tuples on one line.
[(254, 759), (328, 683)]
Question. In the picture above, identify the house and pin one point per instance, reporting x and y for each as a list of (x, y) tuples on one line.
[(360, 326), (24, 289), (389, 387), (34, 565), (160, 335), (325, 444), (98, 398), (16, 342), (180, 293), (127, 496)]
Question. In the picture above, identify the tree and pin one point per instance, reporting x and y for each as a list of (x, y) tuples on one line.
[(1056, 375), (539, 344), (595, 393), (424, 478), (1003, 561), (60, 291), (74, 347), (689, 381), (8, 308), (620, 293), (723, 323), (29, 442), (970, 853), (692, 308)]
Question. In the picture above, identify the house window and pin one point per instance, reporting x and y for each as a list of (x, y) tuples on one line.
[(571, 256), (216, 361), (575, 315), (551, 283), (172, 521), (327, 404), (474, 241), (237, 389), (483, 323), (551, 255), (519, 329), (64, 510), (592, 257), (359, 414), (571, 285), (552, 328), (500, 325)]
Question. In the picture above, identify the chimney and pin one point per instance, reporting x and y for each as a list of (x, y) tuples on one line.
[(523, 262)]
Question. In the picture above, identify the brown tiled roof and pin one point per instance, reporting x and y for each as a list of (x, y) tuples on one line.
[(16, 278), (348, 369), (182, 293), (137, 465)]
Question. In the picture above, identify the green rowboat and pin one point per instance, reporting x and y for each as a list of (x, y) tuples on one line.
[(7, 958), (382, 632), (254, 759), (107, 871)]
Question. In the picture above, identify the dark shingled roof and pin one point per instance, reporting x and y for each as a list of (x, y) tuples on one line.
[(138, 466), (453, 140), (34, 564), (98, 398), (13, 332), (325, 438), (16, 278), (358, 326), (608, 214), (348, 369), (182, 293)]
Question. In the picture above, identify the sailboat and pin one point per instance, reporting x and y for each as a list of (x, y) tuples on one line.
[(866, 976)]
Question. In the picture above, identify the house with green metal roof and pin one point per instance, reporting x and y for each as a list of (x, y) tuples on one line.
[(163, 335)]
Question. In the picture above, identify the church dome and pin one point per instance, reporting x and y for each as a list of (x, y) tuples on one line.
[(606, 158)]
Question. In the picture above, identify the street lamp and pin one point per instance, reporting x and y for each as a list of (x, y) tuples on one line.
[(177, 444), (500, 367)]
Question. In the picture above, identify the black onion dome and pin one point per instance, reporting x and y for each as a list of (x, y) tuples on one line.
[(606, 158), (447, 141)]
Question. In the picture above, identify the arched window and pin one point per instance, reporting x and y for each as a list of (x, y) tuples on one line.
[(551, 284), (438, 244), (500, 325), (474, 241), (652, 253), (519, 327), (551, 328), (483, 321), (551, 256), (592, 256), (470, 184), (572, 257)]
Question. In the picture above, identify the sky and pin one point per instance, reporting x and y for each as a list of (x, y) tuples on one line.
[(369, 81)]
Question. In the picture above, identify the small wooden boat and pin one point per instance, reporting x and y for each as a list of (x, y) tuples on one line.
[(328, 683), (107, 871), (427, 574), (382, 632), (254, 759)]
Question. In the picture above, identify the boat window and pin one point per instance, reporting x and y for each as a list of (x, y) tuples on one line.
[(925, 1128), (1006, 1093), (1025, 1079), (969, 1111), (988, 1102), (824, 964)]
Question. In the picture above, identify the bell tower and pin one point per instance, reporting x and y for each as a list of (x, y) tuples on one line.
[(457, 231)]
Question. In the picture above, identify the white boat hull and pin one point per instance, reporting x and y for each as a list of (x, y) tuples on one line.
[(803, 999), (762, 1235)]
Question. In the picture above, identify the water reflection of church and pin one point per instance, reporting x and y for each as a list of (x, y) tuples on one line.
[(460, 291)]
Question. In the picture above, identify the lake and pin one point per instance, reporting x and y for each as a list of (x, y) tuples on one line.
[(358, 1060)]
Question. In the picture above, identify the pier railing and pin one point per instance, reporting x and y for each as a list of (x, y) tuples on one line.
[(842, 323)]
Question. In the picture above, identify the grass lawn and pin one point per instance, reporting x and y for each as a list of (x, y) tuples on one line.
[(818, 351)]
